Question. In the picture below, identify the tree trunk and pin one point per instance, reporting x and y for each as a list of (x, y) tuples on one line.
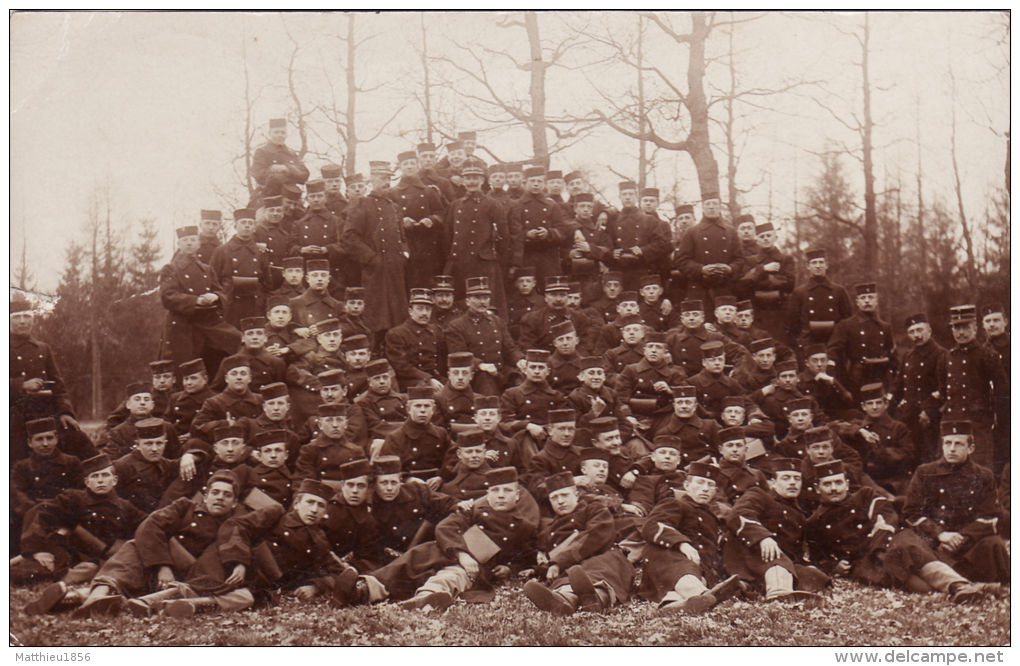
[(642, 113), (539, 138), (870, 215), (698, 145), (921, 233), (428, 88), (731, 150), (352, 94)]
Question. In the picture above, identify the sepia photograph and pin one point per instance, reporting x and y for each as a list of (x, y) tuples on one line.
[(524, 328)]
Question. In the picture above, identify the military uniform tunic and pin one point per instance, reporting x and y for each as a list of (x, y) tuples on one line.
[(815, 308), (531, 212), (244, 272), (478, 237), (973, 384), (269, 154), (421, 448), (671, 523), (427, 245), (189, 326), (416, 352), (374, 235), (863, 350)]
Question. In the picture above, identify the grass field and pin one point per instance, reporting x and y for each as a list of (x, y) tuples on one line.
[(853, 615)]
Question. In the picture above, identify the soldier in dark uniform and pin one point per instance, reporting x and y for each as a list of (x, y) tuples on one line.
[(514, 181), (888, 450), (380, 409), (293, 209), (274, 164), (862, 346), (243, 270), (709, 255), (523, 407), (276, 416), (816, 306), (209, 234), (37, 389), (644, 386), (49, 548), (697, 435), (554, 186), (315, 304), (455, 400), (185, 404), (855, 535), (486, 337), (302, 375), (271, 233), (974, 386), (336, 204), (350, 525), (445, 309), (536, 326), (449, 167), (606, 303), (537, 221), (235, 401), (588, 244), (768, 280), (352, 322), (816, 382), (191, 292), (465, 466), (685, 340), (374, 235), (422, 211), (138, 402), (293, 284), (429, 175), (316, 235), (768, 526), (638, 241), (478, 238), (265, 367), (649, 202), (952, 502), (712, 383), (331, 448), (994, 322), (145, 473), (523, 298), (682, 558), (420, 444), (415, 348)]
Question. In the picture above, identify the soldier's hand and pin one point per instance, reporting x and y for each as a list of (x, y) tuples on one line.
[(597, 405), (869, 437), (661, 386), (69, 421), (468, 563), (951, 540), (32, 385), (553, 572), (628, 479), (842, 568), (501, 572), (824, 377), (708, 270), (164, 577), (617, 253), (542, 232), (541, 559), (236, 576), (434, 483), (45, 560), (489, 368), (305, 592), (769, 549), (772, 267), (582, 480), (187, 467), (278, 170), (535, 430), (426, 222), (408, 222), (522, 364), (303, 332), (436, 384), (491, 456), (690, 552), (924, 419), (465, 505), (768, 389), (633, 508), (666, 307), (635, 250)]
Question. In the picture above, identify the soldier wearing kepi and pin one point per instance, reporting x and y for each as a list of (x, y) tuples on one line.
[(638, 241), (274, 164), (477, 236), (994, 321), (332, 178), (862, 347), (816, 306), (537, 220), (191, 292), (315, 234), (415, 349), (769, 528), (429, 174), (973, 385), (36, 387), (952, 502), (243, 270), (709, 254), (915, 390), (208, 234), (422, 211), (374, 235), (485, 336)]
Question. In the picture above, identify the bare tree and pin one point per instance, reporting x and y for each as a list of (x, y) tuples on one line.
[(970, 269), (23, 278)]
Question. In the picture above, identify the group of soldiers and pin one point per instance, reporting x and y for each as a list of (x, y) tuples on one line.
[(423, 389)]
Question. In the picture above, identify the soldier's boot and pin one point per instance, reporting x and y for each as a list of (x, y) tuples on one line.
[(47, 600), (728, 588), (994, 590), (942, 577), (81, 573), (588, 596), (547, 599), (369, 590), (99, 602), (345, 589), (438, 601), (689, 595), (812, 579), (151, 604), (779, 587), (185, 608), (917, 585)]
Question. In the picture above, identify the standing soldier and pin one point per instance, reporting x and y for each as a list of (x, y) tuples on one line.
[(315, 304), (242, 269), (36, 388), (477, 237), (271, 233), (375, 237), (916, 386), (768, 281), (973, 384), (862, 346), (538, 221), (335, 201), (816, 306), (649, 201), (515, 181), (315, 234), (709, 255), (429, 174), (638, 241), (209, 234), (191, 293), (588, 244), (421, 207), (274, 164), (995, 322)]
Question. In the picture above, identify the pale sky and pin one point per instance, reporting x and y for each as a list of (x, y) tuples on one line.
[(152, 104)]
